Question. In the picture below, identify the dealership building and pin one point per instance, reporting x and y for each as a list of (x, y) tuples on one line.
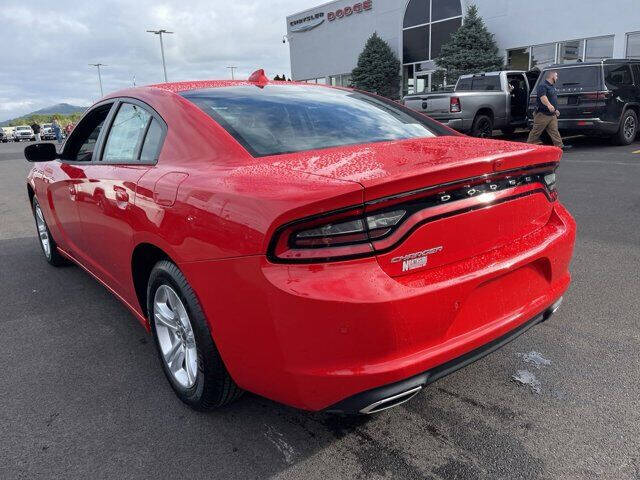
[(325, 41)]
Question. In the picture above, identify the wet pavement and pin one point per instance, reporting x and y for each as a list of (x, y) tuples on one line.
[(82, 394)]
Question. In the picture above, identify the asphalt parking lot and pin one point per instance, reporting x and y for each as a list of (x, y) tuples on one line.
[(82, 394)]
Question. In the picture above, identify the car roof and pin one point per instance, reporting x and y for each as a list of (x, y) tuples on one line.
[(598, 63), (178, 87)]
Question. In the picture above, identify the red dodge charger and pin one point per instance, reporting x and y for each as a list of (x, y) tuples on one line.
[(323, 247)]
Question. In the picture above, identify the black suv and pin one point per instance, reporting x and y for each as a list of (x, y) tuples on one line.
[(601, 98)]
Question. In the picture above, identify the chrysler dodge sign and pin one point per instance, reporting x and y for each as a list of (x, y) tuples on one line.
[(304, 24)]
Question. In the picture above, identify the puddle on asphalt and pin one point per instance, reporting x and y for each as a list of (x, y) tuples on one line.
[(534, 358), (525, 377)]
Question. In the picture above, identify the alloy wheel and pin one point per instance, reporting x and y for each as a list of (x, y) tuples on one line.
[(43, 233), (484, 129), (629, 128), (175, 336)]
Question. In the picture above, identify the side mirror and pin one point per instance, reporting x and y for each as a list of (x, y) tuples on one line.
[(40, 152)]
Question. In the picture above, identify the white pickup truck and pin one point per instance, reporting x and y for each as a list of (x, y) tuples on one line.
[(23, 132), (480, 103)]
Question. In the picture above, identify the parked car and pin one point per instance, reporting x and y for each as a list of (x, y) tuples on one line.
[(23, 132), (325, 248), (480, 103), (3, 136), (597, 98), (46, 132)]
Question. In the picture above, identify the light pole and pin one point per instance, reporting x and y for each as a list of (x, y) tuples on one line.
[(98, 65), (232, 68), (164, 65)]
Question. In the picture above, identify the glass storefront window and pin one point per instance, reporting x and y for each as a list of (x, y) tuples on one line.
[(441, 9), (571, 52), (518, 59), (417, 13), (633, 45), (543, 55), (407, 80), (441, 33), (599, 49), (415, 44), (346, 80)]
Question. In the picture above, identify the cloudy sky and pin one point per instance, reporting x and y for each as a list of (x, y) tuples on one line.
[(46, 46)]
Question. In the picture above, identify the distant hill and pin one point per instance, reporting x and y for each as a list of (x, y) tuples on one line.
[(62, 109)]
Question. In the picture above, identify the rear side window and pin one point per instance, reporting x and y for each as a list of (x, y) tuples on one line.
[(151, 145), (279, 119), (126, 134), (577, 79), (481, 83), (617, 75)]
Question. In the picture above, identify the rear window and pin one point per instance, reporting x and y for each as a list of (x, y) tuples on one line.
[(280, 119), (577, 79), (480, 83)]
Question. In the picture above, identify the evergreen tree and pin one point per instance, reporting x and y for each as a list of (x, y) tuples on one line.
[(378, 69), (472, 49)]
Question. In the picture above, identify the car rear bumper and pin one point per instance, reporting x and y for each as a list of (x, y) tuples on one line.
[(455, 123), (388, 396), (584, 125), (317, 336)]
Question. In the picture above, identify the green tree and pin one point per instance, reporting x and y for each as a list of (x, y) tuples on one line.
[(472, 49), (378, 69)]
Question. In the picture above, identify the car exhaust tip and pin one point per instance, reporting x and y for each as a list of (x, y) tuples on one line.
[(553, 309), (390, 402)]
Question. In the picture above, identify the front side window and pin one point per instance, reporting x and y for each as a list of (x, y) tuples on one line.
[(82, 142), (126, 134), (292, 118)]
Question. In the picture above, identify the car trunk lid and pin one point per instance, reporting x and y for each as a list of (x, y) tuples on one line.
[(495, 194), (435, 105)]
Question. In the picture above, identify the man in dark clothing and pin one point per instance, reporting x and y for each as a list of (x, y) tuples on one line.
[(547, 113), (36, 130)]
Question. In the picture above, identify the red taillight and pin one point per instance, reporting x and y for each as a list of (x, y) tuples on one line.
[(454, 105), (603, 95), (343, 234), (367, 229)]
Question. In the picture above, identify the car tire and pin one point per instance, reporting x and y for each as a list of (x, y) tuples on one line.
[(628, 128), (186, 350), (47, 243), (482, 126)]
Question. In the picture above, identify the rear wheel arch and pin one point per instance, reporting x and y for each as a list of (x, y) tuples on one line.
[(483, 123), (144, 257), (485, 111)]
